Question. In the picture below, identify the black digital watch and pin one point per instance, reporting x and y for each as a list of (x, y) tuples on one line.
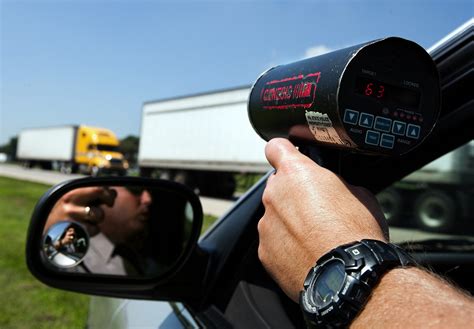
[(340, 283)]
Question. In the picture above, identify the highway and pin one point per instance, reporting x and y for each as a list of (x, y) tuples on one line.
[(214, 207), (211, 206)]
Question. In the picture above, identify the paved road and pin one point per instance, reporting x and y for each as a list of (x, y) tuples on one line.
[(214, 207), (35, 175)]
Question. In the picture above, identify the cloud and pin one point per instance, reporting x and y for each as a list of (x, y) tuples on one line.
[(316, 51)]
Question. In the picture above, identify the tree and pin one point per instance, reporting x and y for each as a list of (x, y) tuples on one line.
[(129, 148), (10, 148)]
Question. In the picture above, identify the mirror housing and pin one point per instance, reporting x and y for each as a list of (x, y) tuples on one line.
[(174, 283)]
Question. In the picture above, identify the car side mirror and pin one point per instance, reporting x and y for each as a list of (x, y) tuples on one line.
[(124, 229)]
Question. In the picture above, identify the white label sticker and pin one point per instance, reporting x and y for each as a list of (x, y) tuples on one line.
[(321, 126)]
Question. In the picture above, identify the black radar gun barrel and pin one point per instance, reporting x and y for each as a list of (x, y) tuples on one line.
[(380, 97)]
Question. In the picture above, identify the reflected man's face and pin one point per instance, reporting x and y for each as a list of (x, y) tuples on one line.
[(128, 217)]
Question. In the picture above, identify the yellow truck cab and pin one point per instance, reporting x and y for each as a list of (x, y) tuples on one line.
[(97, 151), (78, 148)]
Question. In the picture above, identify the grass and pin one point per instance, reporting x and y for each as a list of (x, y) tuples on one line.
[(207, 221), (246, 181), (24, 301)]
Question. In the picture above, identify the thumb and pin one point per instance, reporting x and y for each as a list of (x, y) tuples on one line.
[(280, 151)]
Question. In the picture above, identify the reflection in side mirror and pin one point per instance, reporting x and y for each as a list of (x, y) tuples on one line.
[(65, 244), (129, 227)]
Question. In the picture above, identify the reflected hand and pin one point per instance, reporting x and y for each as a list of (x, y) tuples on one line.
[(68, 237), (83, 205), (309, 211)]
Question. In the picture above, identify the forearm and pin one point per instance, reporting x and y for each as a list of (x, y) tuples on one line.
[(414, 298), (57, 244)]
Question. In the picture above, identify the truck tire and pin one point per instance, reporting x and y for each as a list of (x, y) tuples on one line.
[(65, 168), (95, 171), (46, 165), (227, 186), (217, 184), (391, 203), (187, 178), (182, 177), (146, 172), (435, 211)]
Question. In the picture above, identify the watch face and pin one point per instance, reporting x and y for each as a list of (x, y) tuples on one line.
[(328, 283)]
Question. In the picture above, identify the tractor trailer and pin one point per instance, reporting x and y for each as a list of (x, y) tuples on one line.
[(70, 149), (437, 196), (201, 140)]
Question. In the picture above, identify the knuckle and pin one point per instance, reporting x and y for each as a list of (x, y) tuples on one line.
[(261, 253), (287, 165), (68, 208), (261, 226), (267, 197)]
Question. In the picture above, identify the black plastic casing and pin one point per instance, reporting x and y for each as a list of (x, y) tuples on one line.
[(307, 101)]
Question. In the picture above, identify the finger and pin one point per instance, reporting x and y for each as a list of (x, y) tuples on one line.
[(93, 215), (87, 195), (108, 196), (271, 177), (280, 151), (103, 195)]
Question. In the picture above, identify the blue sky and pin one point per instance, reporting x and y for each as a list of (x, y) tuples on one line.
[(96, 62)]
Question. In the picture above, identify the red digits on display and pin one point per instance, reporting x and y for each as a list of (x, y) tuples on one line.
[(381, 91), (368, 89)]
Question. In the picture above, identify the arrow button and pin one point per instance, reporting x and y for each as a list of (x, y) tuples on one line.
[(351, 116), (366, 120), (413, 131), (399, 128)]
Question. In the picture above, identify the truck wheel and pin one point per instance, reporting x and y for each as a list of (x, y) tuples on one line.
[(181, 177), (391, 203), (95, 171), (165, 174), (435, 211), (146, 172), (217, 184), (227, 186), (186, 178), (46, 165), (65, 168)]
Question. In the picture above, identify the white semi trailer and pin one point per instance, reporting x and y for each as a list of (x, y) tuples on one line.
[(201, 140)]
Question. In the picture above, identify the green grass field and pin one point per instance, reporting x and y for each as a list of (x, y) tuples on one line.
[(24, 301)]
